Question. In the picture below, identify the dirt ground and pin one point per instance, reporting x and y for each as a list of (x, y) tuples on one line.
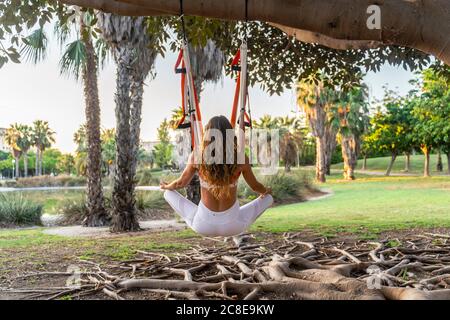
[(26, 273)]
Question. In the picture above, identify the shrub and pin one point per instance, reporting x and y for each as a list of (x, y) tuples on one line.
[(16, 210), (144, 177), (147, 203), (10, 183), (73, 210), (150, 200), (286, 187), (49, 181)]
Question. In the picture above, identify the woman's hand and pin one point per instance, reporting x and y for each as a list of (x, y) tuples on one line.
[(267, 192), (167, 186)]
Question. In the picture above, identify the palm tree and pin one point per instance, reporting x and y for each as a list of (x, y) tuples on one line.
[(175, 118), (80, 57), (291, 140), (42, 137), (314, 101), (350, 119), (265, 122), (25, 143), (128, 39), (108, 149), (12, 139)]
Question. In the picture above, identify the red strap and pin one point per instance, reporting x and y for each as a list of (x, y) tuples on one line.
[(237, 58), (234, 111), (236, 101), (197, 117), (179, 59)]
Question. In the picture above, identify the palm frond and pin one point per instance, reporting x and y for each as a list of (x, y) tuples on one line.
[(62, 32), (103, 52), (35, 46), (73, 59)]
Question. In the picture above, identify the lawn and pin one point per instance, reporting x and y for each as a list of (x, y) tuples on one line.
[(367, 206), (417, 163)]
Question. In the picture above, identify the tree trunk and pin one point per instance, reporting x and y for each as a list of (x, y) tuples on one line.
[(364, 166), (36, 163), (448, 162), (320, 159), (96, 212), (193, 191), (350, 148), (137, 93), (25, 164), (407, 162), (17, 164), (123, 197), (426, 168), (40, 162), (439, 165), (414, 23), (331, 142), (391, 164)]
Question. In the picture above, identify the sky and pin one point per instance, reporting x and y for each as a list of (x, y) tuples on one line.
[(29, 92)]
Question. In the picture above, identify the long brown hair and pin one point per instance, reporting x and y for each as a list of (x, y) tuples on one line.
[(219, 173)]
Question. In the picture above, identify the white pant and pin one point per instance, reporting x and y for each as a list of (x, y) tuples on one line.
[(209, 223)]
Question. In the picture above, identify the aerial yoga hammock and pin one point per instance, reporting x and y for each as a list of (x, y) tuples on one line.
[(216, 215)]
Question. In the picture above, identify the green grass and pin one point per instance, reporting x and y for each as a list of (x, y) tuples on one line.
[(417, 163), (27, 238), (367, 206)]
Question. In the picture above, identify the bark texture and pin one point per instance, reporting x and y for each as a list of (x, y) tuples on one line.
[(391, 164), (321, 159), (331, 143), (123, 198), (448, 162), (96, 212), (364, 165), (439, 165), (350, 150), (426, 166), (407, 162)]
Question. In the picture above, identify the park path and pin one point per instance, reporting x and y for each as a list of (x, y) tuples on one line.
[(80, 231), (393, 174)]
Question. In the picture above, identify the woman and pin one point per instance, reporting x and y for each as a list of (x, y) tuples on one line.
[(218, 213)]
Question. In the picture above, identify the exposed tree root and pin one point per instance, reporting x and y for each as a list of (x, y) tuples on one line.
[(418, 268)]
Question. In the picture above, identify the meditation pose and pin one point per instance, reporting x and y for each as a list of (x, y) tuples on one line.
[(219, 212)]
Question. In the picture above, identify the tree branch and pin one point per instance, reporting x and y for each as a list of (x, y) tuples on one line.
[(410, 23)]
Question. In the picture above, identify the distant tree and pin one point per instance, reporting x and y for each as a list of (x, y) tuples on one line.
[(12, 138), (162, 152), (291, 140), (43, 137), (25, 142), (391, 128), (316, 100), (66, 164), (431, 110), (108, 138), (50, 159), (350, 118)]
